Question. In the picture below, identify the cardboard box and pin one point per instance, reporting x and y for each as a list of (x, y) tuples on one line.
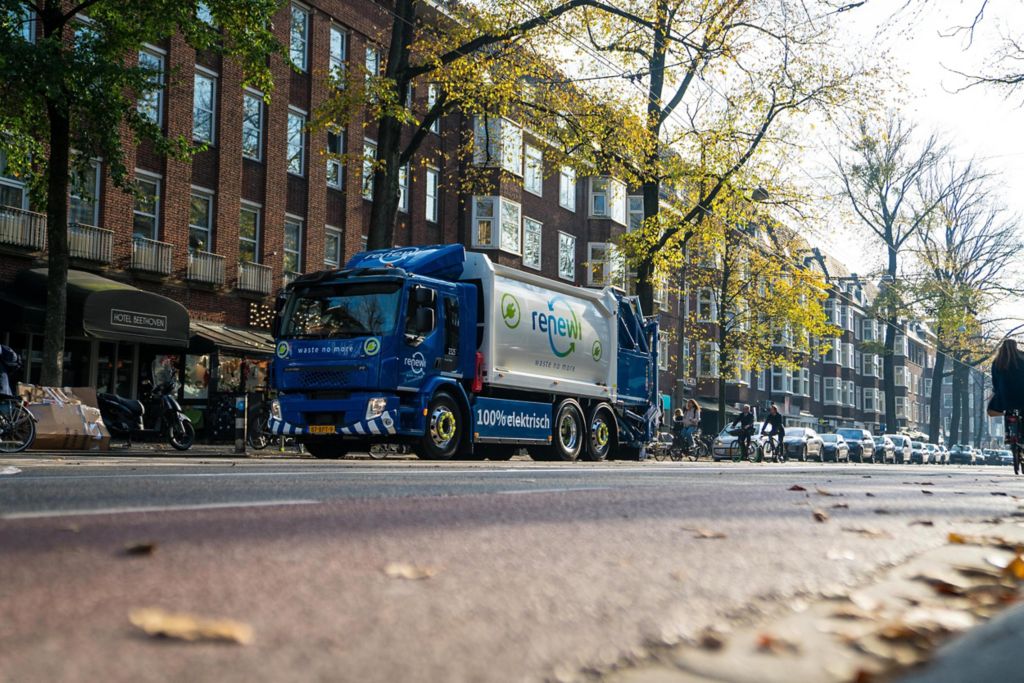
[(64, 421)]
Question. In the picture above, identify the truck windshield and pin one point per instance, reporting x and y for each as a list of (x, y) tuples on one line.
[(344, 310)]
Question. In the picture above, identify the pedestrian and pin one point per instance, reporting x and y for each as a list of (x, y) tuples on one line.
[(743, 426), (1007, 379), (9, 362)]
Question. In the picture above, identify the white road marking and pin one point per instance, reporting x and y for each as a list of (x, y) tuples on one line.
[(44, 514), (567, 489)]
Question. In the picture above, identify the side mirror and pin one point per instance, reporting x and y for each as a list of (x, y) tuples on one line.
[(275, 324), (424, 321), (425, 296)]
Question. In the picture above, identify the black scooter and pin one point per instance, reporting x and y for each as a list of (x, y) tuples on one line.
[(123, 417)]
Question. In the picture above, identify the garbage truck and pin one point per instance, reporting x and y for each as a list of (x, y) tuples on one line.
[(460, 357)]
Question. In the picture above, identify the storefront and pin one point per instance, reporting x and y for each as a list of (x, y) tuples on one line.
[(117, 335)]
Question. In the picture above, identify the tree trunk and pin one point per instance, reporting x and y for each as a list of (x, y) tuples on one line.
[(57, 244), (888, 360), (935, 401), (384, 208), (954, 419), (965, 410)]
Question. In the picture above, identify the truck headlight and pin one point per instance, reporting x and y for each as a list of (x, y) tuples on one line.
[(275, 409), (375, 406)]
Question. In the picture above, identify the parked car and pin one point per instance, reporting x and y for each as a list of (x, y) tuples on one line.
[(917, 453), (803, 443), (860, 441), (961, 454), (943, 454), (901, 442), (835, 448), (884, 450), (1005, 457), (989, 456), (932, 454), (725, 444)]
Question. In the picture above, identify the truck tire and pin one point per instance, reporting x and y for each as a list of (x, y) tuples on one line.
[(569, 432), (326, 450), (440, 440), (600, 434)]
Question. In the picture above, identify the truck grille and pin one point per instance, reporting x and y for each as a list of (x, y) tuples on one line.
[(322, 378)]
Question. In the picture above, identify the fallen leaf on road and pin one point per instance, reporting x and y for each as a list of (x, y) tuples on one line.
[(404, 570), (775, 645), (840, 555), (1015, 569), (137, 549), (994, 541), (882, 511), (706, 533), (975, 572), (927, 492), (796, 487), (71, 528), (9, 470), (922, 522), (823, 492), (711, 640), (854, 613), (820, 516), (941, 585), (872, 533), (870, 495), (998, 493), (678, 575), (840, 506), (158, 623)]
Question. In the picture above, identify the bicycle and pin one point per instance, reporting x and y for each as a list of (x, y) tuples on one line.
[(773, 449), (17, 425), (700, 446), (1011, 423)]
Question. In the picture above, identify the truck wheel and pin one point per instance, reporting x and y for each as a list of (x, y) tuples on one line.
[(326, 450), (569, 432), (444, 429), (601, 434)]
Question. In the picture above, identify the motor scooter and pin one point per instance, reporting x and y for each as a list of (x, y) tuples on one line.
[(124, 417)]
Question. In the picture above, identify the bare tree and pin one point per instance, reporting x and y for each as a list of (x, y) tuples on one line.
[(883, 175)]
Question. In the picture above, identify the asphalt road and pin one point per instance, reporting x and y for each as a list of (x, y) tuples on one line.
[(537, 571)]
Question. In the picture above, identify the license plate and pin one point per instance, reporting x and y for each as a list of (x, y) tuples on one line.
[(321, 429)]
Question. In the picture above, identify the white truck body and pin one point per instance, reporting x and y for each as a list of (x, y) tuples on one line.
[(544, 335)]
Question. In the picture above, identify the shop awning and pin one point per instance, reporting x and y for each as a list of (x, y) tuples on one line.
[(207, 337), (102, 308)]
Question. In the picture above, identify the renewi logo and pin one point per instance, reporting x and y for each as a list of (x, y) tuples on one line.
[(562, 331)]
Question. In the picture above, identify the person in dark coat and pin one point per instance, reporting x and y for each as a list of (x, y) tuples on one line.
[(1007, 379), (744, 425)]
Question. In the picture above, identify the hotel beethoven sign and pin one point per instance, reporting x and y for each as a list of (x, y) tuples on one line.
[(140, 321)]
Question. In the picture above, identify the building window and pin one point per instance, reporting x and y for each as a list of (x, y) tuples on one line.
[(332, 247), (28, 23), (203, 107), (608, 199), (200, 221), (707, 311), (603, 264), (203, 13), (566, 256), (433, 175), (707, 359), (567, 188), (403, 188), (252, 125), (292, 244), (663, 350), (817, 388), (532, 235), (335, 148), (150, 103), (511, 227), (147, 207), (85, 192), (831, 392), (636, 211), (299, 37), (901, 407), (296, 142), (507, 235), (483, 221), (249, 235), (369, 160), (372, 62), (498, 142), (848, 392), (432, 91), (12, 191), (534, 179), (339, 52)]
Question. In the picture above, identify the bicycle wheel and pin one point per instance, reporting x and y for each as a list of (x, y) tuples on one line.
[(17, 427)]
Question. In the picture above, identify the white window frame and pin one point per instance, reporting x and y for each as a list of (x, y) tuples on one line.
[(607, 264), (258, 211), (634, 211), (829, 388), (296, 157), (13, 183), (249, 95), (567, 188), (533, 230), (338, 59), (403, 188), (613, 192), (205, 74), (330, 231), (817, 388), (566, 245), (707, 350), (207, 195), (479, 217), (300, 60), (533, 179), (291, 219), (509, 241), (372, 61), (157, 181), (369, 159), (335, 167), (431, 186), (663, 350), (707, 295), (432, 92), (145, 102), (94, 164)]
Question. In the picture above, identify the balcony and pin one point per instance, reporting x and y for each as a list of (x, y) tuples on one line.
[(23, 229), (254, 278), (89, 243), (206, 268), (151, 256)]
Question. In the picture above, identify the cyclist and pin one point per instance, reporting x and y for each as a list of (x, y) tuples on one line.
[(9, 362), (1008, 394), (743, 426), (690, 423), (774, 426)]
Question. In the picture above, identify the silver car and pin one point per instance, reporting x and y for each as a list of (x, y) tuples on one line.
[(725, 445), (802, 443), (903, 447)]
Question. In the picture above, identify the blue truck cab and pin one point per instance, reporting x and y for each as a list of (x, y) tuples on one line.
[(388, 350)]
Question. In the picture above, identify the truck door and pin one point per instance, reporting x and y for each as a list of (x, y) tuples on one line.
[(422, 348)]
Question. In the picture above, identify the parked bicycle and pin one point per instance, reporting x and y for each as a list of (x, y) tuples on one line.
[(17, 425)]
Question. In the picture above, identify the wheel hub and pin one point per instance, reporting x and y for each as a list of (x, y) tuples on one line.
[(442, 426), (568, 432)]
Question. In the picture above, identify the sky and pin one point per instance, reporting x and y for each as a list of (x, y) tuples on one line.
[(979, 122)]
